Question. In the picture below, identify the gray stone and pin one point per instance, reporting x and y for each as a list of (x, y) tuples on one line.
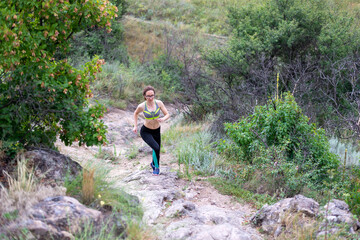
[(179, 208), (51, 165), (188, 220), (269, 218), (64, 213), (337, 216)]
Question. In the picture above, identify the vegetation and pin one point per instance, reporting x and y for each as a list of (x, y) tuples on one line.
[(307, 50), (40, 96)]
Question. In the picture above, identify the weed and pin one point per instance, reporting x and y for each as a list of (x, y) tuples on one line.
[(132, 152), (135, 231), (107, 154)]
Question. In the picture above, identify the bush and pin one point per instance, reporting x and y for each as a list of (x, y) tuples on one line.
[(96, 41), (41, 97), (353, 193), (279, 132)]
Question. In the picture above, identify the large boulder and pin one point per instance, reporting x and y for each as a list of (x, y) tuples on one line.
[(51, 165), (337, 218), (271, 219), (292, 215), (62, 217)]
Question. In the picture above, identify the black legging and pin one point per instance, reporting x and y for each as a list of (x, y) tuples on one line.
[(153, 138)]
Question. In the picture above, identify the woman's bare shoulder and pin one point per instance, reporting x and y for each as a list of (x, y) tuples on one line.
[(159, 102), (141, 106)]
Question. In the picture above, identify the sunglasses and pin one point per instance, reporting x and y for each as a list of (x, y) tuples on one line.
[(149, 96)]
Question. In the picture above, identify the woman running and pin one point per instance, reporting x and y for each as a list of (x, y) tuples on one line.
[(150, 131)]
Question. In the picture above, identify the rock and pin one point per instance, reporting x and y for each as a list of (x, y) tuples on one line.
[(336, 216), (51, 165), (190, 228), (270, 218), (64, 214), (179, 208), (184, 219), (59, 217)]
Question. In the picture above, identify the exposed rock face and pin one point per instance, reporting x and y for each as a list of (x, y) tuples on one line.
[(336, 213), (52, 165), (164, 201), (270, 218), (61, 218), (335, 217)]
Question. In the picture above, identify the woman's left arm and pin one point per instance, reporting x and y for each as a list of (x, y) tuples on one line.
[(165, 112)]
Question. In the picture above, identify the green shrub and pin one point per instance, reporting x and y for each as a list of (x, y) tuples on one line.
[(164, 73), (353, 191), (281, 124), (196, 153), (41, 97), (96, 41)]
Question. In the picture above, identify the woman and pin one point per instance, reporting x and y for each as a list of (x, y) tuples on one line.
[(150, 131)]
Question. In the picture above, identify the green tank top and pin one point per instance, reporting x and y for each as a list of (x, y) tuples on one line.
[(152, 114)]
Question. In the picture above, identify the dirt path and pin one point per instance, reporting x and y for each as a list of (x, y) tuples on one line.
[(175, 208)]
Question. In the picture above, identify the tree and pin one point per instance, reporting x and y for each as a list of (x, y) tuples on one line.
[(300, 40), (41, 97)]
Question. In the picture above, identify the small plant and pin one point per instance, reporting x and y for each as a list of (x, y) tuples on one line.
[(25, 180), (133, 152), (196, 154), (107, 154), (135, 231)]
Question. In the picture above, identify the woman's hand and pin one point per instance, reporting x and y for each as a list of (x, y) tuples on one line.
[(160, 120), (135, 129)]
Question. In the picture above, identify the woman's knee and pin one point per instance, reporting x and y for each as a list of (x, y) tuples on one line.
[(156, 148)]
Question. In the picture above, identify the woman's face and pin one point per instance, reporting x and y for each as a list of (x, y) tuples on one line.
[(149, 95)]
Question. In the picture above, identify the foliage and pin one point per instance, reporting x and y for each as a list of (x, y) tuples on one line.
[(196, 154), (193, 148), (206, 15), (312, 45), (353, 193), (164, 73), (95, 40), (280, 126), (41, 97), (111, 81)]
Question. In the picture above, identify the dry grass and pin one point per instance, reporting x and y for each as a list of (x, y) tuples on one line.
[(298, 226), (24, 191), (135, 232), (144, 41), (88, 187)]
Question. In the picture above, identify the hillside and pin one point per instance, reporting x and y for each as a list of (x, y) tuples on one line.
[(263, 139)]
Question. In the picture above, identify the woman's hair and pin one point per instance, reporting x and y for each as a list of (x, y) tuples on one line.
[(148, 88)]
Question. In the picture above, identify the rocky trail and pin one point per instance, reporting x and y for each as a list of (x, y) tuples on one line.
[(174, 208)]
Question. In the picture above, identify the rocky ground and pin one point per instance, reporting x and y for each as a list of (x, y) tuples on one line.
[(174, 208)]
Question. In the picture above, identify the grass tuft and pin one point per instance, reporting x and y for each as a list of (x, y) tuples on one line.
[(88, 186), (23, 192)]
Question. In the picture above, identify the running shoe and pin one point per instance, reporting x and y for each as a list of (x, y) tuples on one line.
[(152, 166), (156, 171)]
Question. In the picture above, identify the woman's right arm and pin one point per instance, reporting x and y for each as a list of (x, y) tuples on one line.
[(136, 114)]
